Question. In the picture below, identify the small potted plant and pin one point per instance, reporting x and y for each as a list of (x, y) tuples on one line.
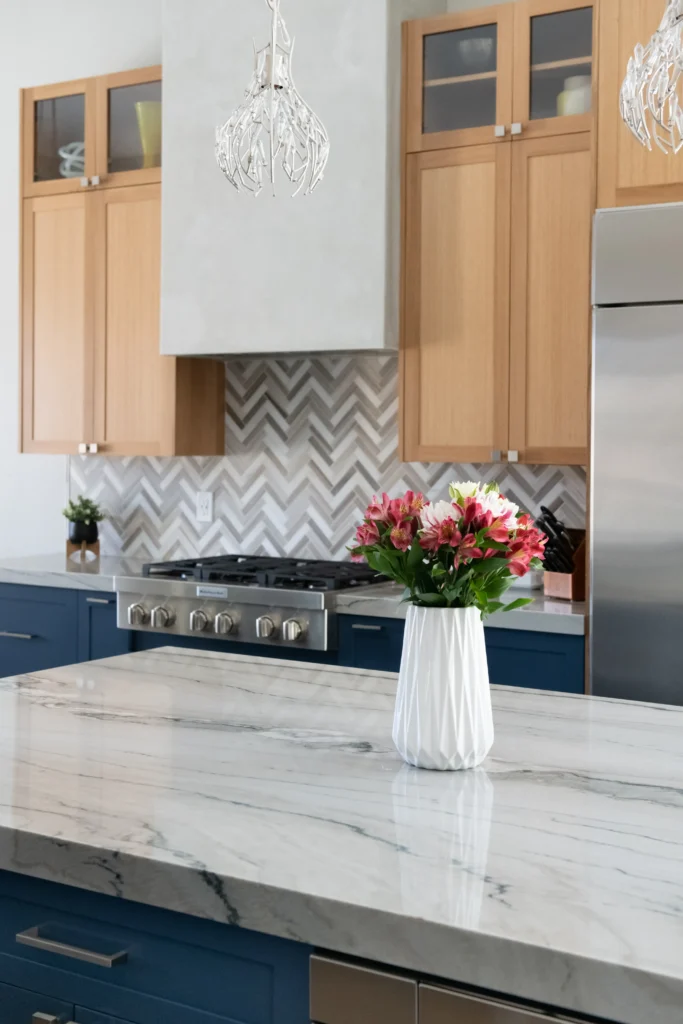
[(456, 560), (83, 516)]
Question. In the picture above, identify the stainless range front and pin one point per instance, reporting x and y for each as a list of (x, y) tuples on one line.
[(242, 614)]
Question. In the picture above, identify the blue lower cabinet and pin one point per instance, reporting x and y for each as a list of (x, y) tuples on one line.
[(370, 643), (18, 1006), (83, 1016), (541, 661), (38, 629), (163, 966), (98, 635)]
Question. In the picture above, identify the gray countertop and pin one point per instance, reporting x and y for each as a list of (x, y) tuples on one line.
[(384, 601), (269, 795)]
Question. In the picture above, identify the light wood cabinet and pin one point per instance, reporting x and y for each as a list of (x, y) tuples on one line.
[(456, 330), (628, 173), (496, 267), (92, 373)]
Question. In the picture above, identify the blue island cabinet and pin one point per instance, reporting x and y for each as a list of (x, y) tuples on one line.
[(95, 959)]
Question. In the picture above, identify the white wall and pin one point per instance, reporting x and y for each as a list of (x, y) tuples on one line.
[(43, 41), (467, 5)]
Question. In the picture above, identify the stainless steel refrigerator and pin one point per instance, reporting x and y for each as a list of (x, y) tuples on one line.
[(637, 455)]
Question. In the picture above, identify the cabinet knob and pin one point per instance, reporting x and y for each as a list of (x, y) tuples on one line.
[(499, 131), (516, 128), (93, 449), (84, 182), (513, 456), (82, 448), (95, 180), (495, 455)]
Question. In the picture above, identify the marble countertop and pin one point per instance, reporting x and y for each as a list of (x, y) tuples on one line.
[(545, 615), (56, 570), (268, 794)]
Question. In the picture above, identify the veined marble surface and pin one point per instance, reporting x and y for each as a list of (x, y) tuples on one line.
[(57, 570), (268, 794), (545, 615)]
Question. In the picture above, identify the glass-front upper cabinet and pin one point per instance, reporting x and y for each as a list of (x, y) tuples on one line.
[(458, 78), (57, 137), (553, 56), (92, 133), (128, 149)]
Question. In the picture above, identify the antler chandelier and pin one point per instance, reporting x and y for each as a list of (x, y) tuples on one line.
[(652, 92), (273, 125)]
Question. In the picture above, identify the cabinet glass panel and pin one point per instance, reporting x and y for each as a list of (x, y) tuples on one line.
[(460, 79), (134, 127), (59, 138), (561, 63)]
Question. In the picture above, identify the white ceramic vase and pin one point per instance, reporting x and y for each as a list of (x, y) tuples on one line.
[(443, 716)]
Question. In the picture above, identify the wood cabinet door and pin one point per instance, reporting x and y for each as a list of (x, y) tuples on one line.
[(454, 380), (458, 78), (57, 137), (57, 324), (553, 67), (628, 173), (128, 127), (134, 385), (552, 202)]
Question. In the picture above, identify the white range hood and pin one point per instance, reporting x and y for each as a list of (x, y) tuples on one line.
[(318, 273)]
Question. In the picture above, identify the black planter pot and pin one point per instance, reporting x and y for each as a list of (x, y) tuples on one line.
[(80, 533)]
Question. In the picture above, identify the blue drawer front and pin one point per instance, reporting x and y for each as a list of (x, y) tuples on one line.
[(98, 635), (17, 1005), (540, 661), (372, 643), (180, 969), (43, 621)]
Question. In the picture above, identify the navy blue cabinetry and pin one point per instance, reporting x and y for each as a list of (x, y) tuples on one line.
[(37, 628), (371, 643), (98, 636), (18, 1006), (174, 969)]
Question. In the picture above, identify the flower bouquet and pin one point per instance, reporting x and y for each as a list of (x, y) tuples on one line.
[(456, 560)]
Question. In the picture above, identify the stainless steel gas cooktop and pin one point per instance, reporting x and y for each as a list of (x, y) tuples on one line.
[(243, 598)]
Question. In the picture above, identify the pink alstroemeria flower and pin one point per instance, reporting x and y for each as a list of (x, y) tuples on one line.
[(379, 508)]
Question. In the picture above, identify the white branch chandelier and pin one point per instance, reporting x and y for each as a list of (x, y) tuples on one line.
[(652, 92), (273, 125)]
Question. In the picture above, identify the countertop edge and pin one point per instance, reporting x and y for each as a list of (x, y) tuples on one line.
[(552, 978)]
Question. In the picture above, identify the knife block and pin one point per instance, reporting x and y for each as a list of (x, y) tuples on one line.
[(569, 586)]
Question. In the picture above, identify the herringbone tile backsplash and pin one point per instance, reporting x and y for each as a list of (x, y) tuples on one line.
[(309, 440)]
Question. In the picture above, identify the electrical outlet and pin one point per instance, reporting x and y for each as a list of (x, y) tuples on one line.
[(204, 512)]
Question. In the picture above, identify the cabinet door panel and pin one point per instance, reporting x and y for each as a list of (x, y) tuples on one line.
[(550, 299), (456, 326), (553, 93), (134, 384), (628, 173), (129, 127), (458, 78), (58, 137), (57, 324), (38, 628), (17, 1006), (98, 635)]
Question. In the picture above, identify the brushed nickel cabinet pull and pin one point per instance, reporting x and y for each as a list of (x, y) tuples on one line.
[(368, 629), (32, 937), (16, 636), (97, 600)]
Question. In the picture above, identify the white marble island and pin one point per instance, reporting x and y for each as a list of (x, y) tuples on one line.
[(268, 794)]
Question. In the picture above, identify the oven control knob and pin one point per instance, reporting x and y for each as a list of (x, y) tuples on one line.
[(292, 630), (223, 624), (265, 627), (199, 620), (162, 618), (137, 615)]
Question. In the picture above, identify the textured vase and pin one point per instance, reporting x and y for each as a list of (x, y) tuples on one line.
[(443, 716)]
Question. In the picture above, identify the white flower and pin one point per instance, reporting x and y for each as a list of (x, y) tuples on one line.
[(499, 506), (466, 489), (434, 514)]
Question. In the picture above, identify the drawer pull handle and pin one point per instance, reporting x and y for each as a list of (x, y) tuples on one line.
[(368, 629), (33, 938), (97, 600), (17, 636), (47, 1018)]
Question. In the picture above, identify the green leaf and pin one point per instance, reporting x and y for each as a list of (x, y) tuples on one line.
[(415, 555), (521, 602), (429, 599)]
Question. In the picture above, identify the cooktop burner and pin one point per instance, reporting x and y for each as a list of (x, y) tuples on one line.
[(264, 571)]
